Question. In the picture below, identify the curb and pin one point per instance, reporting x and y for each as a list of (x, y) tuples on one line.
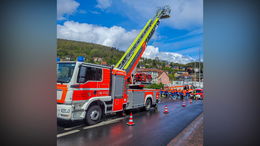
[(182, 138)]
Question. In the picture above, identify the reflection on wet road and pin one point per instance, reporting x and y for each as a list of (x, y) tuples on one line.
[(151, 128)]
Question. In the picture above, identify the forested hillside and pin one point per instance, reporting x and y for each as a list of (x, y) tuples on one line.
[(70, 50), (94, 53)]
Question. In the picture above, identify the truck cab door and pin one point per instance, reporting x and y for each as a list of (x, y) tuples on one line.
[(118, 87)]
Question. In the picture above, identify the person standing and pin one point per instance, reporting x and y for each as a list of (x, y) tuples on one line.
[(184, 93), (181, 94), (187, 94), (194, 94)]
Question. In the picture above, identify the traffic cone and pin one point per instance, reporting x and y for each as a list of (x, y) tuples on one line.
[(190, 101), (183, 103), (130, 122), (165, 109)]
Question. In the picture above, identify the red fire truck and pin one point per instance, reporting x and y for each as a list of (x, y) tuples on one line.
[(88, 91), (143, 78)]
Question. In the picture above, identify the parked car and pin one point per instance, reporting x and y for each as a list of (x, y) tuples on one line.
[(199, 93)]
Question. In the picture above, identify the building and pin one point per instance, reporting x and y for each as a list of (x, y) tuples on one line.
[(190, 70), (158, 76), (163, 78), (197, 77), (182, 68), (142, 66), (183, 76), (176, 67), (167, 65)]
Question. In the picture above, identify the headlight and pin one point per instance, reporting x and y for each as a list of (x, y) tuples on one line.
[(78, 106), (65, 110)]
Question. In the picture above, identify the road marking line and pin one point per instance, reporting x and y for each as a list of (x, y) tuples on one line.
[(73, 127), (67, 133), (104, 123)]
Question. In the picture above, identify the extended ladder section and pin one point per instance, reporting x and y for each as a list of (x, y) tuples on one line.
[(129, 60)]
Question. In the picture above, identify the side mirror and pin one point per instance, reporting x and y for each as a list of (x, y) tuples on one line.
[(82, 74)]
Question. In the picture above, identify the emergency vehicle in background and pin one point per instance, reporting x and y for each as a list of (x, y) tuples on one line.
[(198, 93), (89, 91)]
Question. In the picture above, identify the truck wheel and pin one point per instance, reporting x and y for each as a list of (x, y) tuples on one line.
[(156, 106), (148, 104), (93, 115)]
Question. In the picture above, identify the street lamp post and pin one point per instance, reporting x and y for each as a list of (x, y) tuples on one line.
[(199, 66)]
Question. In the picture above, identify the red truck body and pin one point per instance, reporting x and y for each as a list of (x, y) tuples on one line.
[(199, 93), (98, 86), (143, 78)]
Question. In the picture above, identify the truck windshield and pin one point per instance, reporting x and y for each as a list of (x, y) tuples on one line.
[(65, 72)]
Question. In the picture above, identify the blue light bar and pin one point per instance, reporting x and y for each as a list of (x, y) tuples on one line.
[(57, 59), (81, 59)]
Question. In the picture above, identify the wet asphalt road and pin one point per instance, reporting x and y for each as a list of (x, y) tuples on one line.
[(151, 128)]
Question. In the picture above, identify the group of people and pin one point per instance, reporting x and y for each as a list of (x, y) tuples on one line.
[(177, 94)]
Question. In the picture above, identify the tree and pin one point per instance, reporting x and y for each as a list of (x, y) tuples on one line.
[(155, 86)]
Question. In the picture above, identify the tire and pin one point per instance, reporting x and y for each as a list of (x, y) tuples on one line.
[(156, 106), (127, 112), (148, 104), (93, 115)]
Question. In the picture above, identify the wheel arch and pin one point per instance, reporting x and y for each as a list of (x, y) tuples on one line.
[(99, 102), (149, 96)]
